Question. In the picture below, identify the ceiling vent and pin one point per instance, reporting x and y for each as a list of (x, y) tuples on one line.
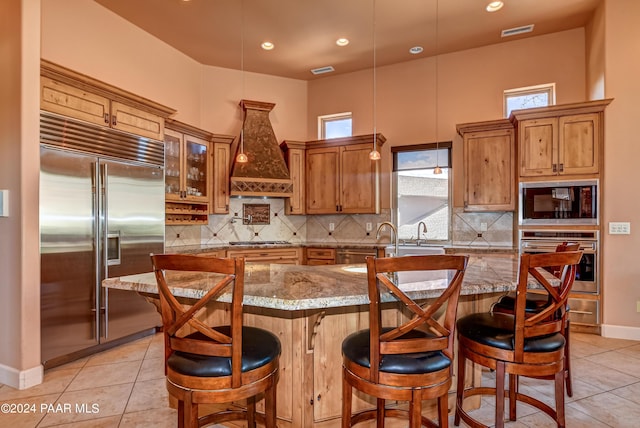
[(322, 70), (517, 30)]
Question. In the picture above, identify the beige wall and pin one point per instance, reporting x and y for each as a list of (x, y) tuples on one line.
[(621, 157), (19, 157), (470, 86)]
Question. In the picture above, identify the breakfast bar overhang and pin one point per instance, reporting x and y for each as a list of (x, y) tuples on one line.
[(312, 309)]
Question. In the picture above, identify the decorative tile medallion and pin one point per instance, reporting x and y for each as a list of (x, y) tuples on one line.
[(256, 213)]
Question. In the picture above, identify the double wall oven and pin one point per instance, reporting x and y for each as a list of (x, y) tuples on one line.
[(553, 212)]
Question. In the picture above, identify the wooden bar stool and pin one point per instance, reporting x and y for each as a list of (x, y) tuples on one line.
[(520, 345), (535, 302), (411, 362), (221, 364)]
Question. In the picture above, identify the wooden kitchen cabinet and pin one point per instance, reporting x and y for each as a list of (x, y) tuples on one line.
[(221, 162), (294, 156), (340, 177), (269, 255), (320, 256), (562, 140), (489, 165), (187, 169), (75, 95)]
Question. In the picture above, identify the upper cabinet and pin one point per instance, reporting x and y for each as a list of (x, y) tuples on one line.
[(340, 177), (221, 165), (78, 96), (489, 171), (560, 140), (294, 156)]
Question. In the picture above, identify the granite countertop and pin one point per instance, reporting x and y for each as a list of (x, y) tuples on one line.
[(300, 287)]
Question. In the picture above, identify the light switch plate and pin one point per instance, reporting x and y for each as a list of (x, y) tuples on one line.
[(619, 228), (4, 203)]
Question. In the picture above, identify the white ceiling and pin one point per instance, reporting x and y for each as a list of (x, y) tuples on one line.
[(228, 33)]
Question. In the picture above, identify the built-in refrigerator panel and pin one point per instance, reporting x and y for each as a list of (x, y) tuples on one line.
[(132, 228), (68, 226)]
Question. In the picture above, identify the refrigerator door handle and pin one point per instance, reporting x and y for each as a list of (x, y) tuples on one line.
[(111, 239), (113, 248), (106, 313)]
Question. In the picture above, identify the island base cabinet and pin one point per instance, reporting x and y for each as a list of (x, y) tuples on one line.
[(310, 384)]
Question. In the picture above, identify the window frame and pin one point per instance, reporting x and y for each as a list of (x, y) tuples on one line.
[(326, 118), (548, 88)]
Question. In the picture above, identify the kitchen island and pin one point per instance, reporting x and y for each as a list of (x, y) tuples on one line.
[(312, 309)]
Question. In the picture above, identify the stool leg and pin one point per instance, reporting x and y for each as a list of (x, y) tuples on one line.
[(415, 410), (180, 414), (346, 400), (513, 389), (270, 407), (567, 360), (500, 394), (190, 413), (460, 386), (251, 412), (559, 386), (443, 411), (380, 413)]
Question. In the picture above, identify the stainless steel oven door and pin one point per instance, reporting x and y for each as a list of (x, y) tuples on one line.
[(587, 273)]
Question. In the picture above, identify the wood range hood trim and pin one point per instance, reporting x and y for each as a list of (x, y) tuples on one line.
[(266, 172)]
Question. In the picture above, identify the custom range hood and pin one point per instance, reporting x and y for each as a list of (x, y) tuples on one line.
[(265, 173)]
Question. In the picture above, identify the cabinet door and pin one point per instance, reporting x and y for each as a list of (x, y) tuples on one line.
[(296, 203), (489, 171), (538, 142), (196, 169), (322, 180), (579, 151), (73, 102), (220, 176), (172, 165), (136, 121), (358, 180)]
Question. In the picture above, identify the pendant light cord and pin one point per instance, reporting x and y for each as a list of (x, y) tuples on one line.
[(374, 154), (437, 169)]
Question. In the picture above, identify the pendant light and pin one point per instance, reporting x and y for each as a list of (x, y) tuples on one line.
[(374, 154), (437, 169), (242, 157)]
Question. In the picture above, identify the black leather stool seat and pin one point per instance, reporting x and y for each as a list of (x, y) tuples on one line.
[(356, 348), (497, 330), (535, 302), (259, 347)]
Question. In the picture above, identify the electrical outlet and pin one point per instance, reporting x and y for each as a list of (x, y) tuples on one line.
[(369, 227), (638, 306), (483, 227), (332, 227)]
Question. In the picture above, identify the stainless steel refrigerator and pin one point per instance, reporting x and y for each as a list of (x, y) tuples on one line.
[(101, 215)]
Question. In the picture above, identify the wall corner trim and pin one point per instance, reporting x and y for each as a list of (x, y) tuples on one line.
[(21, 379)]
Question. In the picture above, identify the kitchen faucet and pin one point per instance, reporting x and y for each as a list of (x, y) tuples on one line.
[(395, 234), (424, 229)]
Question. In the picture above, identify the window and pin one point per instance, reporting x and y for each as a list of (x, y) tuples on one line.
[(421, 195), (334, 125), (528, 97)]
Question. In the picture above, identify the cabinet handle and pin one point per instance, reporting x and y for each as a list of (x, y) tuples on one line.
[(337, 208), (106, 118), (561, 167), (555, 168), (114, 120)]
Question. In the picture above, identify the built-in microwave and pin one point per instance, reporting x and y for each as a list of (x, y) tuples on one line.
[(559, 202)]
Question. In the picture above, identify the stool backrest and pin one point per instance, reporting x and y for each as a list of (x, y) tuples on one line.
[(561, 248), (425, 317), (551, 319), (180, 320)]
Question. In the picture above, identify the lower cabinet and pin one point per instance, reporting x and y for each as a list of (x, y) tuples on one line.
[(320, 256), (269, 255)]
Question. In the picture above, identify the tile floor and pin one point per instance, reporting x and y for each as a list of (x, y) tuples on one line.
[(124, 387)]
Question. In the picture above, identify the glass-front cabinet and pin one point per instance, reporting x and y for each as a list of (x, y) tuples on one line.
[(187, 164)]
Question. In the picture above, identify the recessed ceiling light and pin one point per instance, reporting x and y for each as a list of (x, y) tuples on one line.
[(267, 46), (342, 41), (494, 6), (415, 50)]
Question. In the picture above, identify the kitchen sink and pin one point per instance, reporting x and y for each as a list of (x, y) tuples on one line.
[(259, 242), (415, 250)]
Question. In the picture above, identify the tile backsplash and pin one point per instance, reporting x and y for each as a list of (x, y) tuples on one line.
[(466, 227)]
